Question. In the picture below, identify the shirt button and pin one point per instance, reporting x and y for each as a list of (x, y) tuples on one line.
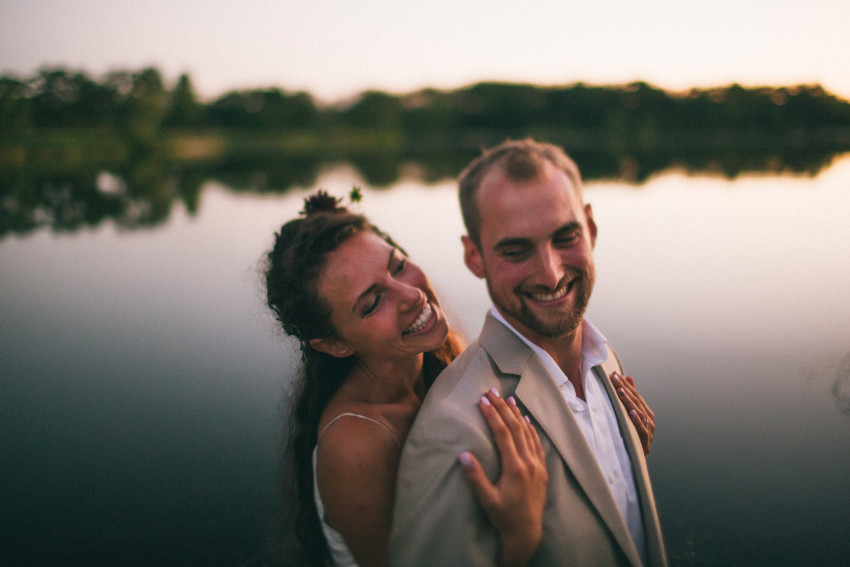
[(612, 478)]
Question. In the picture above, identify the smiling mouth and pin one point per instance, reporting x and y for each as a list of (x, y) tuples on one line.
[(560, 292), (420, 321)]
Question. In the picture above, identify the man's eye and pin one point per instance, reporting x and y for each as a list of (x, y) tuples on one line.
[(567, 239), (400, 267), (514, 253)]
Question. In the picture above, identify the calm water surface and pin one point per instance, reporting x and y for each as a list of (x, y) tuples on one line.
[(140, 377)]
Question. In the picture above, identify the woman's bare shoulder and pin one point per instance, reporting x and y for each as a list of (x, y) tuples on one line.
[(356, 469), (354, 440)]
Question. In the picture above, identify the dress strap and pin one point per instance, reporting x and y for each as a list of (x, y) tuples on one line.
[(331, 422)]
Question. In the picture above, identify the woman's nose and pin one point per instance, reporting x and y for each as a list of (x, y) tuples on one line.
[(409, 296)]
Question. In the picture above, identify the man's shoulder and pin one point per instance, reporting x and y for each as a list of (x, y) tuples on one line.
[(449, 415), (462, 380), (433, 500)]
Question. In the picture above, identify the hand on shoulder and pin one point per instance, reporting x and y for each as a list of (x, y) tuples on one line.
[(514, 503), (643, 418)]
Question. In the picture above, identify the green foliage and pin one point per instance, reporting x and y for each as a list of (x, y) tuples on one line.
[(62, 131), (139, 111), (499, 106), (15, 107), (60, 99), (268, 110), (184, 110), (374, 110), (141, 115)]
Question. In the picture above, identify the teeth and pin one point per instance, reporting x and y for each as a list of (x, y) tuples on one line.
[(420, 322), (549, 296)]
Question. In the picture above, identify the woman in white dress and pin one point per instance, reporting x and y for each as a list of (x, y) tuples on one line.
[(373, 338)]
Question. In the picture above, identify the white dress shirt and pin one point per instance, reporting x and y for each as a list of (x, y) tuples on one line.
[(598, 423)]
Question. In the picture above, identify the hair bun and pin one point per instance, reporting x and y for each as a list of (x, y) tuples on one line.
[(321, 201)]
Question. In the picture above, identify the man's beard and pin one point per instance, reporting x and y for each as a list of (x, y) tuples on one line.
[(566, 323)]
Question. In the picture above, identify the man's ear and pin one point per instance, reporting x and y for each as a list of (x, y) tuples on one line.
[(591, 224), (472, 257), (333, 347)]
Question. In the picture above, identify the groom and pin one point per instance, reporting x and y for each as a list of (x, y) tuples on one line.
[(531, 237)]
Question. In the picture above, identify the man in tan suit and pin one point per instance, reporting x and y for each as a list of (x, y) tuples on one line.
[(530, 236)]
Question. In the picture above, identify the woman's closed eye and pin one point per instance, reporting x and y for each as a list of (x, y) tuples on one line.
[(376, 298), (372, 305)]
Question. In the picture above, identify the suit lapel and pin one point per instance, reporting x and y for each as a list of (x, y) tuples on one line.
[(649, 514), (541, 397)]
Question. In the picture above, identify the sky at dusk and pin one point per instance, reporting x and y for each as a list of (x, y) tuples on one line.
[(335, 49)]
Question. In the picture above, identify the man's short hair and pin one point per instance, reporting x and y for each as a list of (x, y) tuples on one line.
[(519, 160)]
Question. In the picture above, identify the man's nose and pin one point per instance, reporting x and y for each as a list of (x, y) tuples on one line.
[(550, 267)]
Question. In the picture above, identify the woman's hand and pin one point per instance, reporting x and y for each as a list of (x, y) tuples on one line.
[(514, 504), (643, 418)]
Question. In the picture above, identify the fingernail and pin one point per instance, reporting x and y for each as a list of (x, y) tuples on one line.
[(465, 459), (616, 379), (633, 413), (527, 419), (512, 401), (622, 393), (494, 392), (484, 401)]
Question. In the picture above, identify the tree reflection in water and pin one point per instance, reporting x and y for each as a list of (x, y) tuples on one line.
[(141, 192)]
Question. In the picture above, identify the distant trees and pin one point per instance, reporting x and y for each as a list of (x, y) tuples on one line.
[(61, 132), (184, 109), (374, 110), (267, 109), (15, 108), (59, 98), (140, 108)]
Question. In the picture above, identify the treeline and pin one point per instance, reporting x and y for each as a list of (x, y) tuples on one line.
[(139, 105), (75, 152), (140, 108)]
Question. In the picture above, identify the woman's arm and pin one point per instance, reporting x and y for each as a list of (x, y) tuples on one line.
[(356, 468), (514, 504), (643, 418)]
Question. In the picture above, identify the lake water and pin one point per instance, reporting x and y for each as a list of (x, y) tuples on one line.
[(140, 377)]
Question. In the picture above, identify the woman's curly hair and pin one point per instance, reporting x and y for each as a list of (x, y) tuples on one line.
[(292, 272)]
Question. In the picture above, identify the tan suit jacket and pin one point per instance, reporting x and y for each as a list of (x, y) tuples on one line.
[(436, 518)]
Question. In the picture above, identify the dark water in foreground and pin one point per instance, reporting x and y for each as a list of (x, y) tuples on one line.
[(140, 378)]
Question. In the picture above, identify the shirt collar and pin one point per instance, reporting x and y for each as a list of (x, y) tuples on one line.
[(593, 351)]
